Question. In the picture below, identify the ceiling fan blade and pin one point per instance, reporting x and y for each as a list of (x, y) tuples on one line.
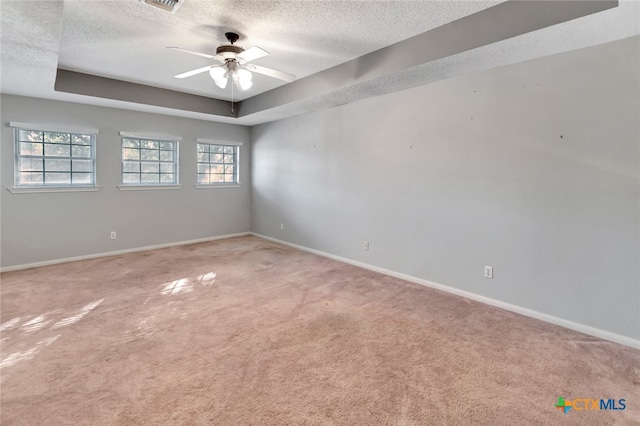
[(204, 55), (252, 53), (271, 73), (194, 72)]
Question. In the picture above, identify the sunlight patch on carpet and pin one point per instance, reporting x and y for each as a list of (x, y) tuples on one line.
[(10, 324), (75, 318), (28, 354), (185, 285), (35, 324)]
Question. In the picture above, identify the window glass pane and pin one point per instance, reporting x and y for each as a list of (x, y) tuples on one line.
[(149, 144), (28, 148), (79, 151), (149, 178), (203, 178), (31, 164), (229, 178), (30, 136), (81, 139), (150, 167), (57, 165), (167, 167), (203, 168), (56, 150), (31, 178), (50, 137), (202, 147), (131, 167), (217, 158), (228, 149), (203, 157), (130, 154), (229, 158), (216, 148), (217, 169), (166, 146), (82, 166), (131, 143), (147, 154), (57, 178), (229, 169), (131, 178), (167, 178), (81, 178), (166, 155), (217, 178)]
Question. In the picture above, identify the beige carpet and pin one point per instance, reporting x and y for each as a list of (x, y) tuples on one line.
[(248, 332)]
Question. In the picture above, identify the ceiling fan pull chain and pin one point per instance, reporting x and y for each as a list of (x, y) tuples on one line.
[(232, 84)]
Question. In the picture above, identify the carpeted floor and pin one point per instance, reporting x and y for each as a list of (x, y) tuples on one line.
[(248, 332)]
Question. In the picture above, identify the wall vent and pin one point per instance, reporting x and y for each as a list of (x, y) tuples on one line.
[(167, 5)]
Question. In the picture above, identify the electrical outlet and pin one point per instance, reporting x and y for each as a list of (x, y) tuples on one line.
[(113, 235), (488, 271), (366, 246), (282, 226)]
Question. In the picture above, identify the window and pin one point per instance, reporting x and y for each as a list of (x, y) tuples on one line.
[(53, 158), (149, 162), (217, 164)]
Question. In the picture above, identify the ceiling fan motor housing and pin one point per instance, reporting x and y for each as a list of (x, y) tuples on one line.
[(229, 51)]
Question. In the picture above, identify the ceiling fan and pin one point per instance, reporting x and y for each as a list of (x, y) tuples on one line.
[(234, 63)]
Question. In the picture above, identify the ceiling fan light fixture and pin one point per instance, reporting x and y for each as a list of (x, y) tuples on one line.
[(219, 76), (245, 84), (221, 82), (244, 75), (244, 79), (217, 72)]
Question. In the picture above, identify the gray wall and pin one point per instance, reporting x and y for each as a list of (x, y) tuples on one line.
[(45, 226), (531, 168)]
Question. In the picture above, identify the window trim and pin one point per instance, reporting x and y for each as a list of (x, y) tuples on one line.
[(151, 136), (216, 185), (147, 187), (38, 127), (219, 142), (36, 189), (46, 128), (155, 137)]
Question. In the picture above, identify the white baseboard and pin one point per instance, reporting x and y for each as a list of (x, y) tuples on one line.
[(592, 331), (118, 252)]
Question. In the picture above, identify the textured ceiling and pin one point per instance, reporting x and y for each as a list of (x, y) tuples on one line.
[(126, 40)]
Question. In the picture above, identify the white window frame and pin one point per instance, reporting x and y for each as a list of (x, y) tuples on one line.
[(236, 164), (22, 187), (135, 186)]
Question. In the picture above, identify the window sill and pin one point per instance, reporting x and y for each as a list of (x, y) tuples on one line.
[(147, 187), (27, 190), (217, 185)]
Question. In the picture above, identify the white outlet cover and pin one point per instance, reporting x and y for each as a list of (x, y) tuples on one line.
[(488, 271)]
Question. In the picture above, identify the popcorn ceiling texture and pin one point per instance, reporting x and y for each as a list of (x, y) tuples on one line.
[(245, 331)]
